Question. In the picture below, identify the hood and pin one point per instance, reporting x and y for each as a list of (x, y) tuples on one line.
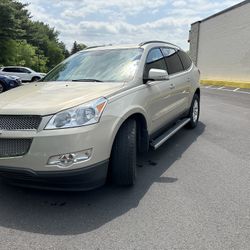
[(45, 98), (42, 74), (9, 77)]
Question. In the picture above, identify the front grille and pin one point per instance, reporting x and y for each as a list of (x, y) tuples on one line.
[(19, 122), (14, 147)]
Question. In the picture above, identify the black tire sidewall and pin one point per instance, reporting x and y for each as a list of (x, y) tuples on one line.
[(123, 156), (35, 79), (193, 124), (3, 87)]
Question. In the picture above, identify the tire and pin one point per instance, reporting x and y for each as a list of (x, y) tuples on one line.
[(194, 112), (2, 88), (123, 156), (35, 79)]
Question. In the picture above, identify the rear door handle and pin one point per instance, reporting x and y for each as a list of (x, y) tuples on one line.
[(172, 86)]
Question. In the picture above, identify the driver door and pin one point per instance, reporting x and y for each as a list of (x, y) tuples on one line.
[(159, 94)]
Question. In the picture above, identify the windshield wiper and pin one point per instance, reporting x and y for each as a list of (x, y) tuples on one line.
[(86, 80)]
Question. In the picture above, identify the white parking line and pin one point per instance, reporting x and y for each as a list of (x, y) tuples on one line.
[(237, 90), (221, 87), (243, 92)]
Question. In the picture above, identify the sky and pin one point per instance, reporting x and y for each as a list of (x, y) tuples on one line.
[(99, 22)]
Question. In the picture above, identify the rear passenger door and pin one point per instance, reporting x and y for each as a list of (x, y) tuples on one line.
[(180, 80)]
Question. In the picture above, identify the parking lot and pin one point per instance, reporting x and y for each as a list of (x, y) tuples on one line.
[(192, 193)]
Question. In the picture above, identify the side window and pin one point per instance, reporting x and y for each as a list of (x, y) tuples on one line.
[(155, 60), (16, 70), (173, 61), (9, 70), (186, 61), (23, 70)]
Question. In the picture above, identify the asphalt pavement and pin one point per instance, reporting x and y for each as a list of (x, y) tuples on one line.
[(192, 193)]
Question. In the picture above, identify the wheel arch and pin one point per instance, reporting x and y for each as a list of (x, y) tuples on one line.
[(4, 85), (35, 77), (198, 92), (142, 128)]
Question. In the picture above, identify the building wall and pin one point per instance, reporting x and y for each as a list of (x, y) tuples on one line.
[(194, 41), (224, 46)]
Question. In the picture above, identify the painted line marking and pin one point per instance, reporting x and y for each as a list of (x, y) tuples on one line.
[(221, 87), (243, 92), (230, 90), (236, 89), (207, 87)]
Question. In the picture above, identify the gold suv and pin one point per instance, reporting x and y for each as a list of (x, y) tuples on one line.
[(91, 115)]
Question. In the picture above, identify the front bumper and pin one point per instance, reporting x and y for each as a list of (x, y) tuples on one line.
[(48, 143), (72, 180), (32, 169)]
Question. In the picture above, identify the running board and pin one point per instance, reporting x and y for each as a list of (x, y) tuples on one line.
[(169, 133)]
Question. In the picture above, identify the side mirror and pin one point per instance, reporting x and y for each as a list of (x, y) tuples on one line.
[(157, 75)]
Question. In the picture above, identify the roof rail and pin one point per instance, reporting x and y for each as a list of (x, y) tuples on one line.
[(93, 47), (97, 46), (147, 42)]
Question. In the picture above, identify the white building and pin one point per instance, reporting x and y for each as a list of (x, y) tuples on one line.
[(220, 44)]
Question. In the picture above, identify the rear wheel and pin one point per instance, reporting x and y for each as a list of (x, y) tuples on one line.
[(1, 87), (123, 156), (194, 112)]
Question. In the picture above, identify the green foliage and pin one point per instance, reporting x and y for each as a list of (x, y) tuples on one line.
[(26, 42), (13, 16), (30, 56), (77, 47)]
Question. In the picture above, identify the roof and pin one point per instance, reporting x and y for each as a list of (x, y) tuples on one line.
[(224, 11), (14, 67)]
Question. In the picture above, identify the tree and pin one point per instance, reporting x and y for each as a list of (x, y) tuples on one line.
[(30, 56), (77, 47), (64, 49), (46, 39), (26, 42), (13, 17)]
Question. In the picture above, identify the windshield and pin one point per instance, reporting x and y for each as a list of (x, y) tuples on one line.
[(110, 65)]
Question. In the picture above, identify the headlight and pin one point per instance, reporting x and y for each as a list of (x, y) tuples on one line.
[(85, 114)]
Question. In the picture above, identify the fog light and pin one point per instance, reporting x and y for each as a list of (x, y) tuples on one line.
[(67, 160)]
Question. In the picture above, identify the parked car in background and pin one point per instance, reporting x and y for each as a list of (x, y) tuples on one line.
[(26, 74), (9, 82)]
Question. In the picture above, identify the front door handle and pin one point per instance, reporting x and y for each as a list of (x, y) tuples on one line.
[(172, 86)]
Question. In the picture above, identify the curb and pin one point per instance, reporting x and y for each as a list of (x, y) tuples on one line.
[(242, 85)]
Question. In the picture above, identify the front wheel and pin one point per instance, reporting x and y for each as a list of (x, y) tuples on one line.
[(123, 156), (35, 79), (194, 112)]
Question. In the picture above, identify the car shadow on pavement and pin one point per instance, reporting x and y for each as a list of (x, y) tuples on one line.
[(69, 213)]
